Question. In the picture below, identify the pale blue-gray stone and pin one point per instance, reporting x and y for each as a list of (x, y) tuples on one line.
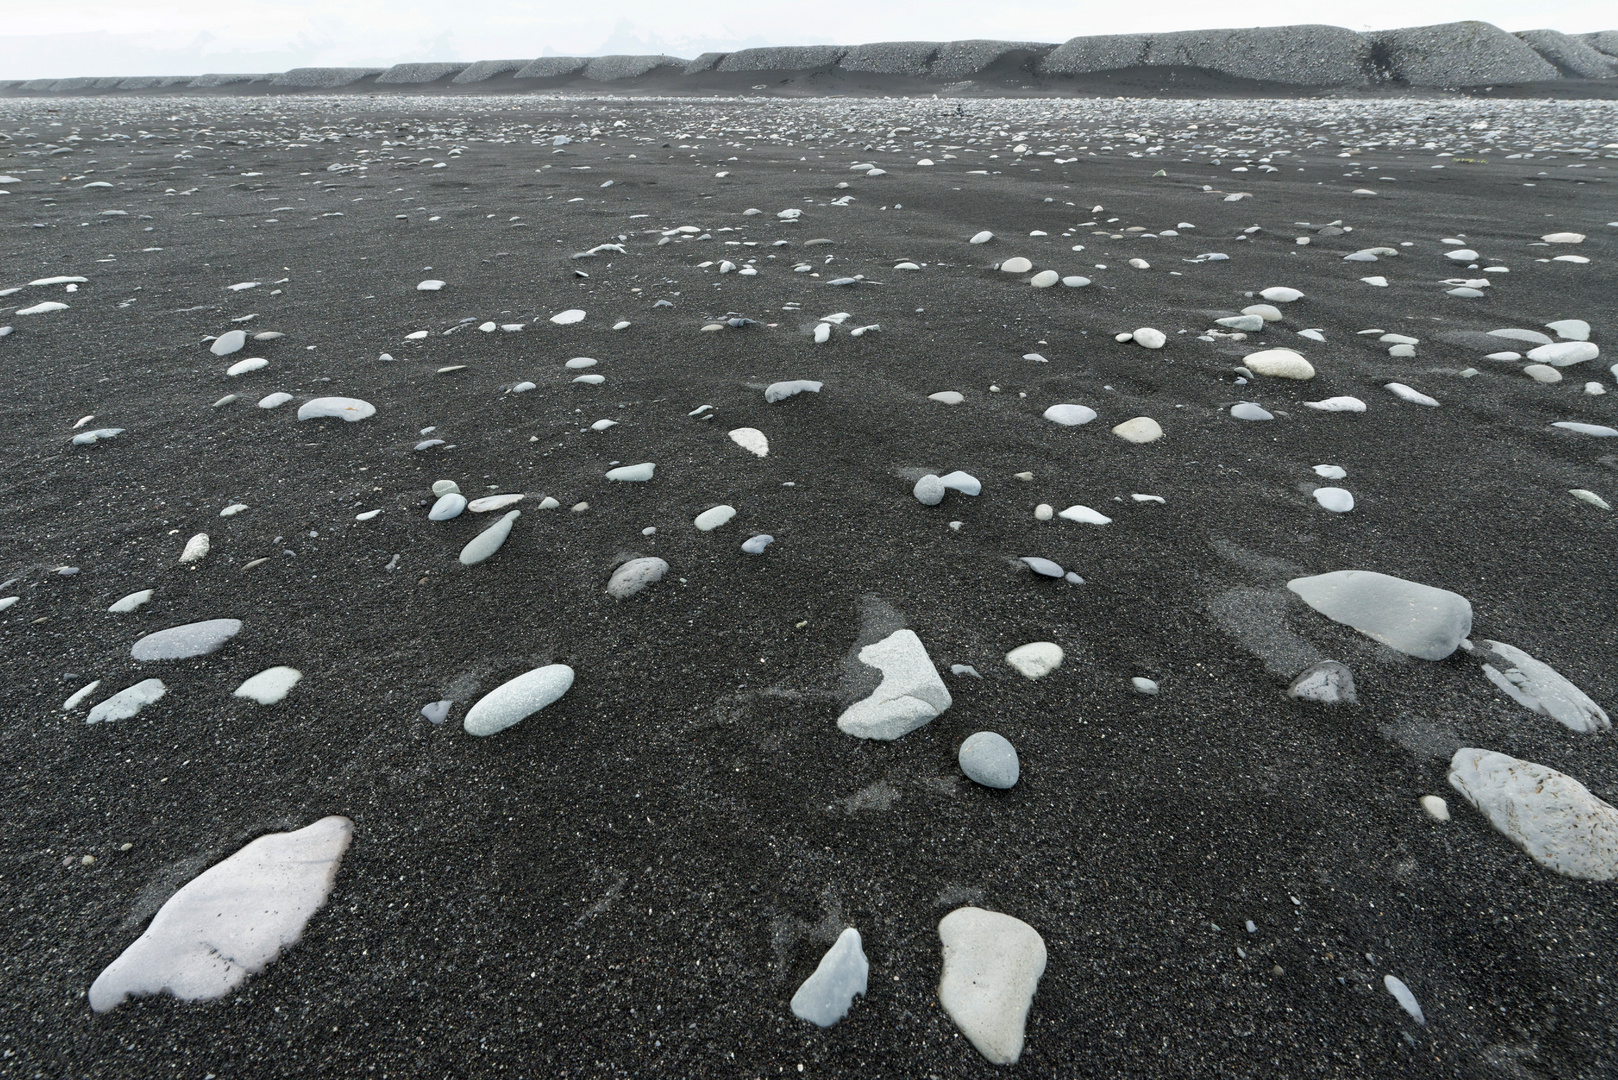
[(449, 505), (488, 541), (825, 997), (1415, 619), (635, 575), (518, 699), (184, 642), (990, 759)]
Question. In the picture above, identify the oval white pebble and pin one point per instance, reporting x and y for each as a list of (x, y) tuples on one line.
[(514, 701), (270, 685)]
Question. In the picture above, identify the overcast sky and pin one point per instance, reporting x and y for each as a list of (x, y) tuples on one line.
[(187, 37)]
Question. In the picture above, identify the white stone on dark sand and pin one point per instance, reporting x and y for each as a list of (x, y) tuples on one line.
[(232, 920), (755, 545), (992, 966), (964, 482), (635, 575), (127, 702), (1149, 338), (1247, 410), (1070, 415), (1415, 619), (1036, 659), (1145, 686), (752, 440), (1085, 516), (270, 685), (345, 408), (1337, 500), (1279, 364), (1406, 393), (780, 391), (633, 474), (518, 699), (1043, 567), (487, 542), (490, 503), (228, 342), (1142, 429), (989, 759), (449, 505), (1436, 808), (713, 517), (1407, 1001), (1337, 404), (911, 692), (929, 490), (1540, 688), (1565, 353), (826, 996), (131, 602), (186, 641), (1325, 683), (1551, 816)]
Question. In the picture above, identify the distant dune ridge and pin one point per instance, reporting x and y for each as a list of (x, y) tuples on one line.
[(1458, 54)]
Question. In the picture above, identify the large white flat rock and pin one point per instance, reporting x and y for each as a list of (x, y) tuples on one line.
[(992, 965), (911, 692), (1552, 817)]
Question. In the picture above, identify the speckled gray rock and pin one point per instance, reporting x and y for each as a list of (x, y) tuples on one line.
[(784, 58), (552, 67), (910, 695), (635, 575), (1459, 54), (514, 701), (1415, 619), (315, 78), (488, 69), (608, 68), (966, 59), (1326, 683), (1571, 56), (184, 642), (992, 966), (419, 73), (989, 759), (910, 58)]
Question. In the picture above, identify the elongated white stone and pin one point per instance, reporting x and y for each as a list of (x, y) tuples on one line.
[(634, 474), (992, 966), (780, 391), (1551, 816), (228, 342), (232, 920), (568, 317), (518, 699), (752, 440), (1540, 688), (242, 367), (1085, 515), (635, 575), (1406, 393), (1343, 403), (487, 542), (131, 602), (1415, 619), (270, 685), (1337, 500), (964, 482), (1070, 415), (1036, 659), (79, 695), (195, 548), (490, 503), (911, 692), (127, 702), (826, 996), (1565, 353), (1279, 364), (186, 641), (1407, 1001), (1280, 294), (345, 408), (713, 517)]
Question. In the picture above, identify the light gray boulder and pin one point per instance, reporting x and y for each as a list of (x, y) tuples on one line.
[(419, 73), (784, 58), (552, 67), (488, 69), (1458, 54), (1571, 56), (910, 58)]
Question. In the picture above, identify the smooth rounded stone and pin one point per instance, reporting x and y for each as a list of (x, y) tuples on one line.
[(603, 425), (1407, 1001), (1543, 373), (1326, 683), (992, 967), (1565, 353), (633, 474), (1337, 500), (90, 438), (1145, 686), (752, 440), (490, 503), (231, 921), (275, 400), (228, 399), (929, 490), (270, 685), (488, 541), (1036, 659), (523, 387), (826, 996), (449, 505), (1044, 512), (1142, 429), (1376, 280), (910, 695), (1069, 415), (1504, 356), (568, 317), (1461, 255), (1464, 292), (947, 397), (242, 367), (713, 517), (1435, 807), (514, 701), (1279, 364), (635, 575), (228, 342), (131, 602), (1042, 566), (1540, 688), (1084, 516), (1075, 281), (1246, 323), (1264, 311), (780, 391), (1337, 404), (1044, 279), (1551, 816), (196, 548), (755, 545), (438, 711), (1247, 410), (1406, 393), (965, 483), (185, 641), (1563, 238), (430, 285), (1570, 329), (981, 238), (1280, 294), (1600, 431), (1148, 338), (78, 695), (989, 759), (1415, 619), (578, 363), (445, 487), (1531, 337), (1016, 265), (346, 408), (1586, 495), (127, 702), (590, 380)]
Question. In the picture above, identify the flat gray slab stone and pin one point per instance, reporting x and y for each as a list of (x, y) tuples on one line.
[(825, 997), (992, 965), (184, 642), (1552, 817), (1416, 619), (911, 692)]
